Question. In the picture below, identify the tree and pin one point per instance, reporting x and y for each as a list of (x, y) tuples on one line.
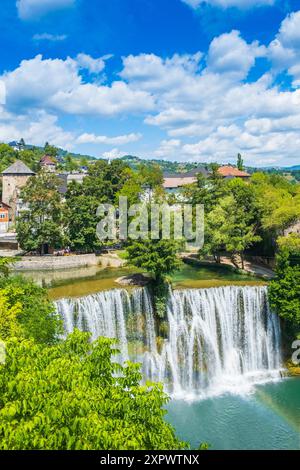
[(7, 156), (105, 180), (277, 202), (42, 223), (82, 220), (70, 164), (157, 257), (25, 308), (50, 150), (228, 228), (284, 290), (72, 396), (151, 176), (216, 234), (132, 187), (240, 162), (103, 184), (207, 190)]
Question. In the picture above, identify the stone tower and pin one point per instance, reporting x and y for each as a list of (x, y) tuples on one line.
[(14, 178)]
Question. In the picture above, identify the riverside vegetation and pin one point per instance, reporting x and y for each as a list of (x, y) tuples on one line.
[(70, 394)]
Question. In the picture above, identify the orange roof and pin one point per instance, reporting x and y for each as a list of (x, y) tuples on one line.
[(46, 160), (226, 171), (172, 183)]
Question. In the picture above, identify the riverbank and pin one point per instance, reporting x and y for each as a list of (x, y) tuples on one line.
[(53, 263), (67, 262), (250, 268)]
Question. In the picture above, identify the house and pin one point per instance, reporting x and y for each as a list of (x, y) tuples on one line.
[(14, 178), (229, 172), (47, 163), (4, 217), (173, 182), (75, 176)]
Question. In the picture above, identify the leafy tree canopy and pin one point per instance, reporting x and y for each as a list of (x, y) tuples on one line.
[(73, 396), (25, 308), (43, 222)]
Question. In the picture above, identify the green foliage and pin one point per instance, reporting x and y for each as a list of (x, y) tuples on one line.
[(105, 180), (5, 265), (70, 164), (157, 257), (240, 162), (30, 307), (132, 187), (72, 396), (228, 228), (277, 202), (284, 290), (43, 222), (151, 175), (82, 220), (30, 156), (103, 184), (284, 294), (7, 156), (160, 290), (9, 325), (50, 150)]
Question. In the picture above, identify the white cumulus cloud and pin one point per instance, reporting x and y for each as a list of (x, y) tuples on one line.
[(242, 4), (103, 139), (56, 84), (49, 37), (36, 129), (31, 9), (229, 53)]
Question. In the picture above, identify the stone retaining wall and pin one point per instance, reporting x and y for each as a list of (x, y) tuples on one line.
[(52, 263)]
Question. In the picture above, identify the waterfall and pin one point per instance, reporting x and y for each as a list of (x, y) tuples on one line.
[(217, 340)]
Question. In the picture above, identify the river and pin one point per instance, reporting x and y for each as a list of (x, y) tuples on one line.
[(218, 352)]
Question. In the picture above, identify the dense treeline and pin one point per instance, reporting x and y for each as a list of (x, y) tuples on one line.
[(32, 155)]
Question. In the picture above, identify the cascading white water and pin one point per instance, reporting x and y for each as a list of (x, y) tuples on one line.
[(219, 339)]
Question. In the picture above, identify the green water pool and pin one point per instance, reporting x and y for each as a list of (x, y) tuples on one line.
[(269, 419), (85, 281)]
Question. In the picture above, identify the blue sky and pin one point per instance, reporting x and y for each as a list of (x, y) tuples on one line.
[(174, 79)]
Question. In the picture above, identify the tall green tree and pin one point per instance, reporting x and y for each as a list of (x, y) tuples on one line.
[(50, 150), (240, 162), (80, 214), (42, 223), (104, 184), (157, 257), (284, 290), (73, 396), (151, 176), (229, 229)]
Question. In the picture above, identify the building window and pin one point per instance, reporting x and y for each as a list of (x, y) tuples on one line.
[(3, 216)]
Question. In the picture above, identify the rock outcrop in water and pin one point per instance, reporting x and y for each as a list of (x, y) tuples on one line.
[(215, 340)]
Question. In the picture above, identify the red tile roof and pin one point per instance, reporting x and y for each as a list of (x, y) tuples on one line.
[(173, 183), (46, 160), (226, 171)]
